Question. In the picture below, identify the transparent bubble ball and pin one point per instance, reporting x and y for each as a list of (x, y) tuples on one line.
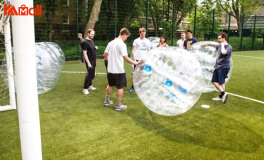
[(169, 81), (206, 55), (49, 63)]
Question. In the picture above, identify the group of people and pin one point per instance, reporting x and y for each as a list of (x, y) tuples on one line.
[(116, 52), (181, 43)]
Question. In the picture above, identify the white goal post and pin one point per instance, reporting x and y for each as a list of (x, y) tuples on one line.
[(5, 31)]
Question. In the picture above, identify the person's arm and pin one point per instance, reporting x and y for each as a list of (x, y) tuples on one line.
[(208, 44), (223, 50), (105, 56), (148, 47), (86, 58), (129, 60), (134, 52)]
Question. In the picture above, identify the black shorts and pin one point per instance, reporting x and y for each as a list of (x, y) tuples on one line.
[(117, 79), (220, 75)]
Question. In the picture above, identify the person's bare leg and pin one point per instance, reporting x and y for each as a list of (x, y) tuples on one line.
[(109, 90), (219, 87), (119, 95), (107, 101)]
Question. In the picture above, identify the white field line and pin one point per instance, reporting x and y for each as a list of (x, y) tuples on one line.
[(77, 72), (249, 56), (255, 100)]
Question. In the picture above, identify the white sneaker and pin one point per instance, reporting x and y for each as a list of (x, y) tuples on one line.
[(224, 98), (216, 98), (107, 103), (121, 107), (92, 88), (85, 91)]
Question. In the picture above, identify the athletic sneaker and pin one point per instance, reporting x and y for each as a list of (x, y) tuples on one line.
[(131, 90), (107, 103), (92, 88), (121, 107), (216, 98), (224, 98), (85, 91)]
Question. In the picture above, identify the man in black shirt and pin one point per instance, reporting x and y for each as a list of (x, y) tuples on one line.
[(190, 40), (89, 55)]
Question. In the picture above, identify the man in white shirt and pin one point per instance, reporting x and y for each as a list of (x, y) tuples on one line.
[(116, 53), (180, 42), (141, 46)]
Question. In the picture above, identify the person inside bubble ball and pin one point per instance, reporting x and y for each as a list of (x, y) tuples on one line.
[(222, 66), (141, 46), (89, 56), (163, 43), (116, 53), (190, 39), (180, 42)]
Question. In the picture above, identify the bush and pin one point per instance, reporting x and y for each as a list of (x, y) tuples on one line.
[(246, 43)]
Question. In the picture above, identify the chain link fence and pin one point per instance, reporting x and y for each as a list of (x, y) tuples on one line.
[(62, 20)]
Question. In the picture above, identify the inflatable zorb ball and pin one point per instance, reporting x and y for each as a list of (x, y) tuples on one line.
[(169, 80), (206, 55), (49, 62)]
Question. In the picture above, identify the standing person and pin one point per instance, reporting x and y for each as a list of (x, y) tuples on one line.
[(116, 51), (180, 42), (163, 43), (141, 46), (190, 39), (89, 55), (222, 66), (81, 41)]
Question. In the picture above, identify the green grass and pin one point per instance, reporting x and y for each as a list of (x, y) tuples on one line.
[(78, 127)]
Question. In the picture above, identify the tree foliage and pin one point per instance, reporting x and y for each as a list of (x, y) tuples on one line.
[(126, 13), (207, 25), (166, 13)]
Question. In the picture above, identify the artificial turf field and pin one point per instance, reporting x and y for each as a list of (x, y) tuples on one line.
[(75, 126)]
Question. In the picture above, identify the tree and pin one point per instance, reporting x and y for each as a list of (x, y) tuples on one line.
[(182, 9), (174, 16), (94, 15), (204, 20), (237, 8), (128, 12)]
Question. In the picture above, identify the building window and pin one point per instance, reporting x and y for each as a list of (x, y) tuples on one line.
[(65, 19)]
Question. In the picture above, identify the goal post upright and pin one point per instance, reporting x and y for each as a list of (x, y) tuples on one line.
[(26, 82)]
